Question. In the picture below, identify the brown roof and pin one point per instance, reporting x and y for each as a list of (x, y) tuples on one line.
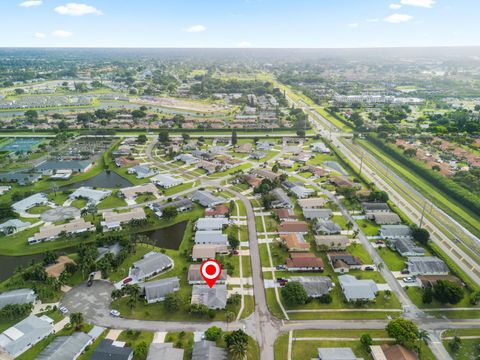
[(56, 269), (293, 244), (341, 181), (398, 352), (218, 210), (252, 180), (284, 213), (301, 260), (293, 226)]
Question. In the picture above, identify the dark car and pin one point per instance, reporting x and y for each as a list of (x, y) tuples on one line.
[(369, 268), (90, 279)]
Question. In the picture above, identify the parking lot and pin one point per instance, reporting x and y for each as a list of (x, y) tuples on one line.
[(93, 302)]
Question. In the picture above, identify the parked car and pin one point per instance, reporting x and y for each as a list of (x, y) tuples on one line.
[(234, 252), (127, 280), (281, 267), (115, 313), (405, 271), (63, 310), (282, 280), (408, 280), (369, 268)]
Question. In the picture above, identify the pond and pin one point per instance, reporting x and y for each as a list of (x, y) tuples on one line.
[(11, 263), (168, 238), (336, 167), (108, 180)]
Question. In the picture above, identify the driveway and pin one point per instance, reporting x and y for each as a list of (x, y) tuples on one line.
[(93, 302)]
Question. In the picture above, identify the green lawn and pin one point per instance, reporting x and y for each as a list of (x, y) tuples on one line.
[(468, 349), (415, 294), (79, 203), (144, 198), (394, 260), (39, 209), (176, 189), (359, 251), (368, 227), (112, 201)]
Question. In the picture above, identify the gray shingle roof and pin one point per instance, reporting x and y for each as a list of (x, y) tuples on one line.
[(29, 202), (207, 350), (151, 263), (317, 213), (327, 227), (107, 351), (156, 290), (375, 207), (164, 351), (213, 298), (407, 246), (20, 337), (19, 296), (282, 199), (354, 289), (394, 231), (336, 354), (206, 198), (65, 347), (426, 265), (74, 165), (211, 237), (315, 286)]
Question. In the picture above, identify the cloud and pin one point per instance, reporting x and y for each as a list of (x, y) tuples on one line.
[(244, 44), (75, 9), (40, 35), (62, 33), (196, 29), (375, 20), (398, 18), (30, 3), (395, 6), (419, 3), (353, 25)]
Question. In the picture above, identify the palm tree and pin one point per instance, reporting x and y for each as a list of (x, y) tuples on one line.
[(229, 317), (424, 336), (238, 350)]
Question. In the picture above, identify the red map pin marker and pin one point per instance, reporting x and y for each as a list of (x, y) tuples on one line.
[(210, 271)]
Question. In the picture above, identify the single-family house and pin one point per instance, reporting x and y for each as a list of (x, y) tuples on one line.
[(354, 289), (210, 237), (213, 298), (156, 291), (375, 207), (141, 171), (218, 211), (285, 214), (431, 280), (266, 174), (386, 218), (393, 352), (22, 178), (24, 335), (293, 227), (315, 286), (427, 265), (207, 350), (13, 225), (164, 351), (281, 199), (66, 347), (342, 261), (152, 263), (205, 252), (30, 202), (109, 349), (180, 204), (327, 227), (206, 198), (252, 180), (264, 145), (195, 278), (115, 220), (93, 196), (188, 159), (343, 353), (395, 232), (16, 297), (332, 242), (209, 224), (302, 192), (304, 261), (166, 181), (295, 242), (130, 193), (342, 181), (406, 247), (324, 214), (313, 203)]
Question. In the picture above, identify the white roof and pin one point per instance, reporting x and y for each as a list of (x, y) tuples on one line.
[(93, 195), (211, 223), (29, 202), (166, 180)]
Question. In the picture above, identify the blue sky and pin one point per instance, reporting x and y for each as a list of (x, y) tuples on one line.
[(239, 23)]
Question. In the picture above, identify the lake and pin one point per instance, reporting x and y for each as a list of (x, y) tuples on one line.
[(108, 180), (169, 237)]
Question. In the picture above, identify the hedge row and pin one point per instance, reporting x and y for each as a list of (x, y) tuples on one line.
[(448, 186)]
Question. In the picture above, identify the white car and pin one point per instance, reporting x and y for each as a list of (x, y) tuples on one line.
[(115, 313), (408, 280), (63, 310)]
